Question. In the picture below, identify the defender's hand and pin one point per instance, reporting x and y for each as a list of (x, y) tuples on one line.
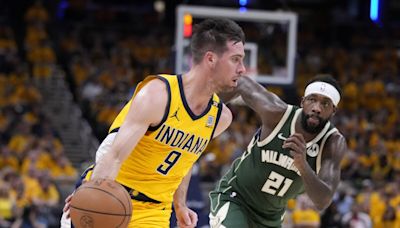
[(297, 146)]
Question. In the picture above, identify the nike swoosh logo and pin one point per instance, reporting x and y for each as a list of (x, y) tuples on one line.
[(280, 136)]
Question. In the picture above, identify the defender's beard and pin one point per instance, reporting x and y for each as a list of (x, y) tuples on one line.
[(312, 129)]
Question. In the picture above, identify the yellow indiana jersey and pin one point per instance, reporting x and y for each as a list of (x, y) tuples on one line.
[(167, 152)]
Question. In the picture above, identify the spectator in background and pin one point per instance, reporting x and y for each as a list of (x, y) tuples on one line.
[(7, 205), (46, 198), (356, 218), (331, 217), (304, 216), (344, 201), (8, 159), (37, 13), (30, 219), (63, 170)]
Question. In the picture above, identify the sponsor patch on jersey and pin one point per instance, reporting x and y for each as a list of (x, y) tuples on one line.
[(313, 150), (210, 121)]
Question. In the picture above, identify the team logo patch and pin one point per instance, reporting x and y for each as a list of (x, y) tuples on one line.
[(210, 121), (313, 150)]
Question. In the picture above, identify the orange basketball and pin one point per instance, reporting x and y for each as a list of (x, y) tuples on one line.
[(101, 203)]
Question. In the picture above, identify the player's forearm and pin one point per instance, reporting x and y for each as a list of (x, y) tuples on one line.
[(226, 97), (258, 97), (244, 88), (249, 89), (180, 195), (126, 139), (317, 190)]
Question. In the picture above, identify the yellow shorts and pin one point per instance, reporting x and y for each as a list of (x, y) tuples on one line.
[(150, 215), (144, 214)]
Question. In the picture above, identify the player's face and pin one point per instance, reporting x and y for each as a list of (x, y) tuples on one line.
[(317, 110), (230, 66)]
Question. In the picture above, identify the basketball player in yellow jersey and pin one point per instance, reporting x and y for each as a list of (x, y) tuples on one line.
[(168, 123)]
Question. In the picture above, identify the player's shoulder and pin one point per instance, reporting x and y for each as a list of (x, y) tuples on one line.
[(154, 86), (156, 82), (151, 99), (153, 92), (337, 143), (337, 137)]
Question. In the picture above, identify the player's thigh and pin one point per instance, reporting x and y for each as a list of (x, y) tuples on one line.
[(229, 215), (150, 215)]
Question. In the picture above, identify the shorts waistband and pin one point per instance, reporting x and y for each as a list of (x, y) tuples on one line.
[(135, 195)]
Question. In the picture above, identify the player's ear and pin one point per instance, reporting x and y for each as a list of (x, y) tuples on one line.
[(210, 58), (302, 102), (334, 110)]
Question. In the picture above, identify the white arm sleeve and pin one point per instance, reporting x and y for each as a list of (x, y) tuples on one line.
[(105, 146)]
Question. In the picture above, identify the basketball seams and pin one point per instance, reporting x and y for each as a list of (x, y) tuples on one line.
[(98, 212), (115, 193), (130, 204), (108, 194), (107, 213)]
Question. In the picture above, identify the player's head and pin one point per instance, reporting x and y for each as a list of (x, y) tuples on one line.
[(321, 97), (213, 35), (219, 45)]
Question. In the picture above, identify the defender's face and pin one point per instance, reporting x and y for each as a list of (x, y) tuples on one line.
[(229, 66), (317, 110)]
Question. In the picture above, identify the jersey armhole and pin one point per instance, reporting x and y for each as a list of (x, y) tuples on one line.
[(166, 112), (276, 129), (220, 106), (321, 149)]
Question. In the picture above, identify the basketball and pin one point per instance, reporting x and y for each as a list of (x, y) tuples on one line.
[(101, 203)]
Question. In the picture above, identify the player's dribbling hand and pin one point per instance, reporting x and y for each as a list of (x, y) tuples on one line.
[(186, 218), (67, 205), (68, 202), (297, 146)]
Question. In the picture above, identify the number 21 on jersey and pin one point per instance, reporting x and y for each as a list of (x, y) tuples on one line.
[(275, 182)]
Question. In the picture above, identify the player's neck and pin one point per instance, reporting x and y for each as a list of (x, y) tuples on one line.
[(198, 83), (197, 90)]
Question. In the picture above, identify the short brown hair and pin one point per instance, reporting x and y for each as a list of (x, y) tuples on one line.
[(212, 35)]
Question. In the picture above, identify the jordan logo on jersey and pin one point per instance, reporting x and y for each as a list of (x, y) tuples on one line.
[(175, 114)]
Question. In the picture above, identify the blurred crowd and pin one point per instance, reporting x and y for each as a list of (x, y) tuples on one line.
[(103, 69), (32, 158)]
